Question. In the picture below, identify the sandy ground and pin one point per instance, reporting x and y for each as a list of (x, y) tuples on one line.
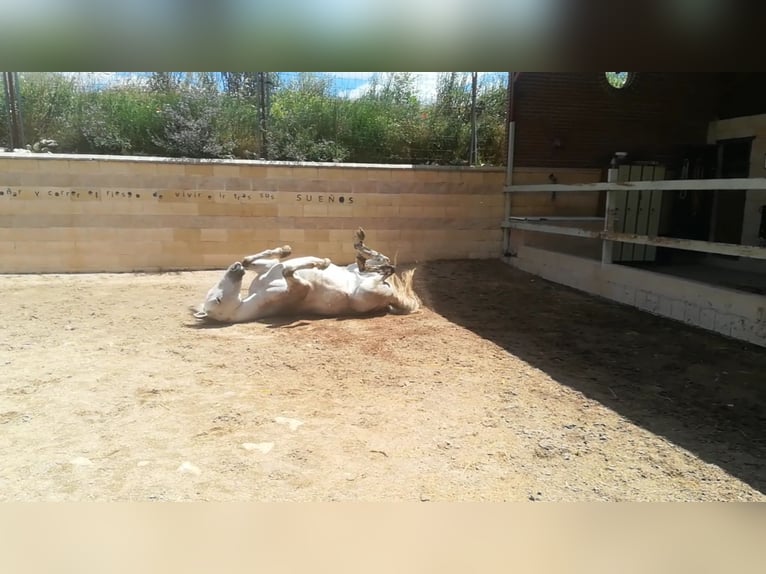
[(505, 388)]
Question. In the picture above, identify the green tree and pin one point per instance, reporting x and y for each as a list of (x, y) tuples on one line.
[(164, 82), (382, 124), (447, 134), (49, 104), (492, 104), (303, 121), (243, 84)]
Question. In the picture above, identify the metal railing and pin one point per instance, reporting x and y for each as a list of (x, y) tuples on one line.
[(608, 235)]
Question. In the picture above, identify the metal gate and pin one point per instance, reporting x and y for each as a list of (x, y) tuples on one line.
[(637, 212)]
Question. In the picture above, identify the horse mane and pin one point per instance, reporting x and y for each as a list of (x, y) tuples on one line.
[(407, 301)]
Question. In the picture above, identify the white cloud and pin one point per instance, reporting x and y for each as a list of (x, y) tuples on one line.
[(106, 79), (353, 75), (426, 84)]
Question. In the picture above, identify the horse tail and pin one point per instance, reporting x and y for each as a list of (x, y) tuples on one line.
[(406, 301)]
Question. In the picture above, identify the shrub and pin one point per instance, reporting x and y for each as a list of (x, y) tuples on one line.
[(122, 120), (189, 127), (209, 115)]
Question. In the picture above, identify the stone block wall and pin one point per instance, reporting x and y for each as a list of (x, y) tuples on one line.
[(90, 214)]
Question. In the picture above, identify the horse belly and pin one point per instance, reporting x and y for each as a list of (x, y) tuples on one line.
[(327, 302)]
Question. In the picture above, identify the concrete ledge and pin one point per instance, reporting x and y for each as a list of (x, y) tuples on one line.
[(732, 313), (239, 162)]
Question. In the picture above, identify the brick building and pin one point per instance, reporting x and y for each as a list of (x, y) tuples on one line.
[(665, 127)]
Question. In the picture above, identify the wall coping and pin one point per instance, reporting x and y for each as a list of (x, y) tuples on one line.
[(240, 162)]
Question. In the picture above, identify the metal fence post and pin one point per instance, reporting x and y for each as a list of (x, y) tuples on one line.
[(609, 216), (11, 90)]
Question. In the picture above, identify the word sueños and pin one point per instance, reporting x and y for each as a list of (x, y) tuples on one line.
[(329, 198)]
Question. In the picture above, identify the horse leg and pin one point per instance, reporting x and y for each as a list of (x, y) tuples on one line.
[(290, 267), (359, 246), (295, 288), (264, 259), (370, 260), (262, 263), (270, 296)]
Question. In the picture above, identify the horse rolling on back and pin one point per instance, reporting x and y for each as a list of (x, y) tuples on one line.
[(309, 286)]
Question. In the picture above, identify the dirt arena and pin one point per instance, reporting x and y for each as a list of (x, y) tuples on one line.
[(504, 388)]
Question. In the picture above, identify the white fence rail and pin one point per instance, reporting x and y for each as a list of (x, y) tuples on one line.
[(608, 234), (660, 185)]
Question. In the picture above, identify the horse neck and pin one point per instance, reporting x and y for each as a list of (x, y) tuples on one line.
[(248, 309)]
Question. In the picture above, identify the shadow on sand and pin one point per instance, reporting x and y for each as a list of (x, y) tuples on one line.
[(703, 392), (277, 322)]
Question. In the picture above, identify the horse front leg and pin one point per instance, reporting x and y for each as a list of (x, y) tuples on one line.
[(263, 260)]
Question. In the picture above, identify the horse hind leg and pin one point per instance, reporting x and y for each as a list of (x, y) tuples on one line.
[(368, 259), (360, 249), (290, 267)]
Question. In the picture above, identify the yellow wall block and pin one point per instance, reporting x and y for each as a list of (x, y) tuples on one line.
[(253, 172), (364, 186), (434, 211), (194, 213), (213, 235), (279, 172), (314, 210), (198, 169), (241, 236), (226, 171), (23, 165), (412, 211), (319, 235), (290, 210), (306, 172), (291, 235), (187, 234)]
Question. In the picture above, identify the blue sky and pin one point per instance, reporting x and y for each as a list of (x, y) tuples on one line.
[(349, 84)]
